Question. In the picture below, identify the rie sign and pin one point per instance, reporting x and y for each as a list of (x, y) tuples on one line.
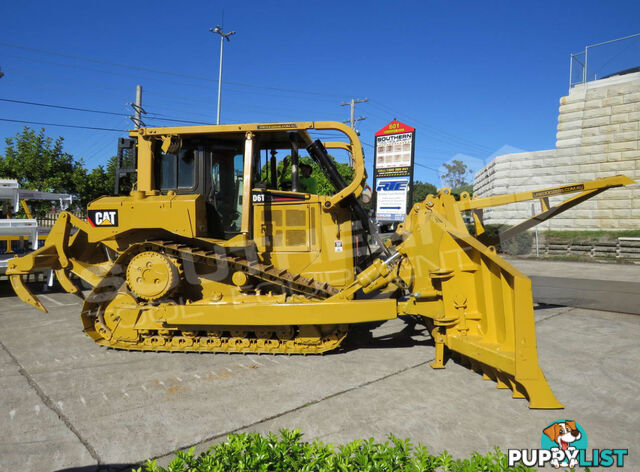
[(393, 171)]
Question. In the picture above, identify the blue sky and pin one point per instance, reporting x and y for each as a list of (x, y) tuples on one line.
[(471, 77)]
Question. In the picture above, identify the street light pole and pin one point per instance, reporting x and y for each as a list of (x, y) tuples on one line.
[(220, 79), (223, 36)]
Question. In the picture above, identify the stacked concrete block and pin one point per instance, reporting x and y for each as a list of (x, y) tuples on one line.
[(598, 136), (629, 248)]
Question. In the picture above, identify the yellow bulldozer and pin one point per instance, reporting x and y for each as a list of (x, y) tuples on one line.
[(210, 252)]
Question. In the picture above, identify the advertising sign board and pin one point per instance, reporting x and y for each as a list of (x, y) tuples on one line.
[(393, 171)]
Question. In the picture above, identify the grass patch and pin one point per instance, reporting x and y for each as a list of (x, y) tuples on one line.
[(288, 452)]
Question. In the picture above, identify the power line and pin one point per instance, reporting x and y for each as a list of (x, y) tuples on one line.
[(24, 102), (422, 151), (181, 121), (89, 110), (181, 84), (244, 92), (181, 110), (426, 167), (189, 103), (199, 102), (158, 71), (155, 117), (450, 136), (87, 146), (352, 104), (444, 134), (64, 125), (414, 162)]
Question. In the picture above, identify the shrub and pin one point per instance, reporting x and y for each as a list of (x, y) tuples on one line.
[(287, 452), (518, 245)]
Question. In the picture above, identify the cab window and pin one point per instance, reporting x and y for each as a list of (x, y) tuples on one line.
[(224, 199), (176, 171)]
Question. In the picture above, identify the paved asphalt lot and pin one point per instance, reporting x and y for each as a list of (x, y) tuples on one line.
[(69, 404), (598, 286)]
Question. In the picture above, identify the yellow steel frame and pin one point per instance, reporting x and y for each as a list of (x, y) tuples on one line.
[(475, 303), (586, 190), (145, 155)]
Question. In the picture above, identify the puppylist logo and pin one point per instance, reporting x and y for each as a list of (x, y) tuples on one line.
[(563, 443)]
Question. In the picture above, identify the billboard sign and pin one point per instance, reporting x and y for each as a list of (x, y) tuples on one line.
[(391, 203), (393, 171)]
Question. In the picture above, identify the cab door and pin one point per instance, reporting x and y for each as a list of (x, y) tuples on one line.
[(282, 221)]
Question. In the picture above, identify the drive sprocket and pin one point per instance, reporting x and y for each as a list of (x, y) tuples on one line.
[(152, 275)]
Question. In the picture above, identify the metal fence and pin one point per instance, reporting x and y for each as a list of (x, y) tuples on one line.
[(598, 61), (19, 235), (49, 218)]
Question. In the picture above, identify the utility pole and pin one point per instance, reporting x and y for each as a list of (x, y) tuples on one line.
[(137, 109), (223, 36), (125, 161), (352, 121)]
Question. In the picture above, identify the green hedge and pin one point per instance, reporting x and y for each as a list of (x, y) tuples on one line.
[(287, 452), (520, 244)]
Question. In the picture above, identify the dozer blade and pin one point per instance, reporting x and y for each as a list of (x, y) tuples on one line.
[(24, 293), (478, 306), (504, 345)]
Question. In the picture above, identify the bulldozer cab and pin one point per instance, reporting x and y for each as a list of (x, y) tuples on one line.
[(216, 165), (208, 167), (250, 183)]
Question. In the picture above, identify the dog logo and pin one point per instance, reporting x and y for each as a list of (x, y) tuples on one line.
[(563, 443), (564, 438)]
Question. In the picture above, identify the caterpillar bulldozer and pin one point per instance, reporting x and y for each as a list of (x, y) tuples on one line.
[(212, 253)]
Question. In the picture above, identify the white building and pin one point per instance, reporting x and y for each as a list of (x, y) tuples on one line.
[(598, 136)]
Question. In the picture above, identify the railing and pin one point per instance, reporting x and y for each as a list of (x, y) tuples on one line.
[(49, 219), (597, 61), (24, 232), (19, 235)]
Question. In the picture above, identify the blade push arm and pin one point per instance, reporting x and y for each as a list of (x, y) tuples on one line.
[(585, 191)]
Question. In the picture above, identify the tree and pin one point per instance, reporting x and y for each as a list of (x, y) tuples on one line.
[(457, 174), (324, 186), (462, 188), (38, 162), (421, 190), (127, 181), (101, 181), (97, 182)]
